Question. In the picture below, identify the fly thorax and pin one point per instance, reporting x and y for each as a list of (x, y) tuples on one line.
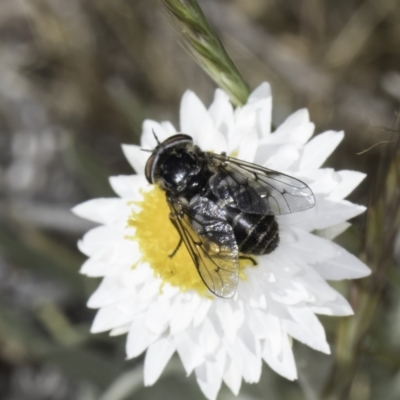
[(179, 171)]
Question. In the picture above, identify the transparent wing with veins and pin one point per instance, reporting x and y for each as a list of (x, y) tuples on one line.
[(211, 243), (257, 190)]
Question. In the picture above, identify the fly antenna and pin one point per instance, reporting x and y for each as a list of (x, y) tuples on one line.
[(155, 136)]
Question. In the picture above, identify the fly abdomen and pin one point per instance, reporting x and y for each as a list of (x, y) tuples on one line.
[(255, 234)]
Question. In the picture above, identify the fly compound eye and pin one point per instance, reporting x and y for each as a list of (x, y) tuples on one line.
[(149, 169)]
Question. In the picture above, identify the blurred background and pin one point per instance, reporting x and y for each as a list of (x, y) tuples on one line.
[(77, 78)]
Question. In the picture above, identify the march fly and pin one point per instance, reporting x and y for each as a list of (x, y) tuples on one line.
[(222, 207)]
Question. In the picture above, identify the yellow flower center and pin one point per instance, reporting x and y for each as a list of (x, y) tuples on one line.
[(158, 238)]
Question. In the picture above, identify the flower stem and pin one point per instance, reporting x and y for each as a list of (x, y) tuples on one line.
[(382, 225), (204, 45)]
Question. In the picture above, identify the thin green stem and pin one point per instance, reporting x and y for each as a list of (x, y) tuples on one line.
[(204, 45), (383, 222)]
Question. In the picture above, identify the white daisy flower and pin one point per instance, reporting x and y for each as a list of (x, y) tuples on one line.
[(162, 303)]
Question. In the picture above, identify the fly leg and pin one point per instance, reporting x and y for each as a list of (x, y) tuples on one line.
[(248, 258), (176, 249), (171, 218)]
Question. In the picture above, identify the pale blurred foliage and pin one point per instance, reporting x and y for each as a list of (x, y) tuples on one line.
[(77, 78)]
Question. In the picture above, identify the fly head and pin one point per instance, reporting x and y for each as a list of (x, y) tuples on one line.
[(174, 164)]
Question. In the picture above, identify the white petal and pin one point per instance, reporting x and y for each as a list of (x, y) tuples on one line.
[(209, 376), (319, 292), (331, 213), (284, 364), (246, 352), (261, 93), (311, 248), (232, 377), (344, 266), (189, 351), (184, 310), (109, 292), (324, 214), (306, 328), (197, 122), (162, 131), (231, 318), (112, 317), (221, 111), (279, 262), (286, 291), (114, 259), (207, 337), (339, 307), (104, 211), (349, 180), (136, 157), (97, 238), (260, 102), (157, 356), (142, 273), (321, 181), (330, 260), (158, 316), (251, 292), (248, 147), (255, 114), (317, 150), (201, 312), (150, 290), (333, 231), (139, 338), (267, 326), (282, 158), (128, 186), (122, 330), (168, 127), (296, 129)]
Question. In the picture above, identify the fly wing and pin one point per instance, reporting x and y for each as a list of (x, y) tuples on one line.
[(254, 189), (211, 243)]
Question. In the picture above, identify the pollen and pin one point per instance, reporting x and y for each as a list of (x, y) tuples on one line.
[(158, 239)]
